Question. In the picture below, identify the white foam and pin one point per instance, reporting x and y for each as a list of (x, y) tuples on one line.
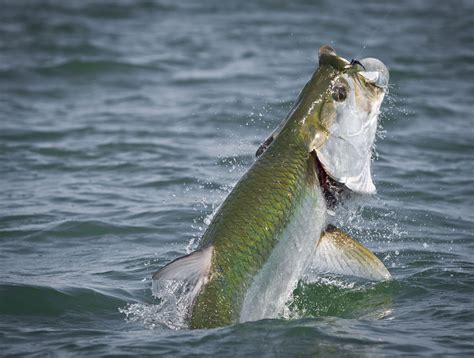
[(175, 299)]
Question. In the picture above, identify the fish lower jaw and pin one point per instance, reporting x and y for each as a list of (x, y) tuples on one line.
[(333, 190)]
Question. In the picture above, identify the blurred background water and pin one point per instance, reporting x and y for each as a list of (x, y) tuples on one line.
[(124, 123)]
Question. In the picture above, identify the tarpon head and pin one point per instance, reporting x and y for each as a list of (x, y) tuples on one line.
[(336, 116)]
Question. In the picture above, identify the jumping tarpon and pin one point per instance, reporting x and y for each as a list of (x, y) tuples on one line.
[(273, 223)]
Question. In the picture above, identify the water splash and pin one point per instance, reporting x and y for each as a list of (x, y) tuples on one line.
[(174, 300)]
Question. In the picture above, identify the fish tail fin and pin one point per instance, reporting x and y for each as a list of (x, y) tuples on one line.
[(338, 253), (192, 269)]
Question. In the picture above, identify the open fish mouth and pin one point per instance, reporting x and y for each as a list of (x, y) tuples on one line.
[(332, 190)]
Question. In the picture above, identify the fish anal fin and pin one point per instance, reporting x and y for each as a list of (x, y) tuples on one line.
[(192, 269), (338, 253)]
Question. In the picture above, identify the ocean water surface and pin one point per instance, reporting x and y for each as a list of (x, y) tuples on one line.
[(124, 124)]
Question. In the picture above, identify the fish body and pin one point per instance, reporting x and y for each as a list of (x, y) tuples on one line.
[(267, 229), (250, 224)]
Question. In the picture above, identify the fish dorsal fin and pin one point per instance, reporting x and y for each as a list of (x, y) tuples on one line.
[(338, 253), (192, 269)]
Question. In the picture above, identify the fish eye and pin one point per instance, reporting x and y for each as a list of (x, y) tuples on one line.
[(339, 93)]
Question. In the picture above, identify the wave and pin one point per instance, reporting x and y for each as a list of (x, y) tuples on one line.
[(73, 229), (33, 300), (81, 67), (121, 9)]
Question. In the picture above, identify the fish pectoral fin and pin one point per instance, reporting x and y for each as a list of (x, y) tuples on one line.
[(192, 269), (338, 253), (263, 147)]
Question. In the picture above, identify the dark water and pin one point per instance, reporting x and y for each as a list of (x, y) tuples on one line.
[(123, 125)]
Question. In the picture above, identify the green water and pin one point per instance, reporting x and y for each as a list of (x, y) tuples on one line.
[(124, 124)]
